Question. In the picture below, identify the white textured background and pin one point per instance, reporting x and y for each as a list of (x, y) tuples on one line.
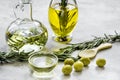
[(96, 17)]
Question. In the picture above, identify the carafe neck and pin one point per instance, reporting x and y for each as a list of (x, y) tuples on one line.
[(23, 10)]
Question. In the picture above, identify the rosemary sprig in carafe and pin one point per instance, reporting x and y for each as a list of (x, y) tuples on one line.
[(64, 3), (63, 17)]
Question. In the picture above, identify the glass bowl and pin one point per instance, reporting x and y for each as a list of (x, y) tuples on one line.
[(42, 64)]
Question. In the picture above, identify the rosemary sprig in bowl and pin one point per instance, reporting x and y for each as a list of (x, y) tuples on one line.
[(62, 53)]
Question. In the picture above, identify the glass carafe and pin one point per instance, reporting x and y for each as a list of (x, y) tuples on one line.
[(25, 33), (63, 16)]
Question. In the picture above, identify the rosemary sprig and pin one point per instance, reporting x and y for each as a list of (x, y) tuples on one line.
[(63, 16), (12, 56), (64, 3), (62, 53)]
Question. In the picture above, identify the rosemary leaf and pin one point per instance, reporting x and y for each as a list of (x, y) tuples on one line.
[(64, 3)]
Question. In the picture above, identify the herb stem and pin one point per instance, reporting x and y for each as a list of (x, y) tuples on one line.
[(64, 3)]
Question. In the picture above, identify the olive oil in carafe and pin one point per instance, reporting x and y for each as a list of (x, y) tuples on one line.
[(25, 34), (26, 40), (63, 20)]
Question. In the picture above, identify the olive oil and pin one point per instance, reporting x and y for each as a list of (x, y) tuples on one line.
[(26, 34), (63, 20), (42, 64), (26, 40)]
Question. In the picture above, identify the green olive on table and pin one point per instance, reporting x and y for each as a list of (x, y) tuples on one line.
[(78, 66), (69, 61), (100, 62), (67, 69)]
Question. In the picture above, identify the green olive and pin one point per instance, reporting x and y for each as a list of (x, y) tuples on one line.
[(67, 69), (78, 66), (69, 61), (85, 61), (101, 62)]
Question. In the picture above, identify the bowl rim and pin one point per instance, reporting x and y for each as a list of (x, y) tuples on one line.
[(42, 53)]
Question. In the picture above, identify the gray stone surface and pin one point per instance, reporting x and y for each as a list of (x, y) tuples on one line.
[(96, 17)]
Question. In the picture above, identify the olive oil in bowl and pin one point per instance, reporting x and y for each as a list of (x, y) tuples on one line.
[(42, 64)]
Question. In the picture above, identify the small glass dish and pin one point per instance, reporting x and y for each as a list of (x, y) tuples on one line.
[(42, 64)]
